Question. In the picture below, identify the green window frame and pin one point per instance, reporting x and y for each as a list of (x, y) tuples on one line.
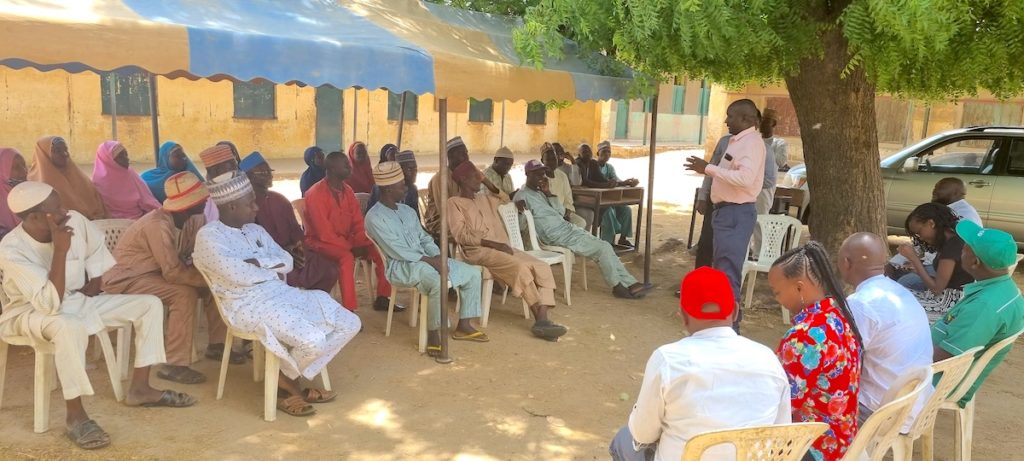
[(481, 111), (536, 113), (678, 99), (255, 100), (395, 105), (131, 93)]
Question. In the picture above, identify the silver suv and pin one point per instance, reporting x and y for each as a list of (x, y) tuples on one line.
[(989, 159)]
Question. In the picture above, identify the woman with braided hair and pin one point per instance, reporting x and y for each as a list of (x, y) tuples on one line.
[(821, 352), (933, 225)]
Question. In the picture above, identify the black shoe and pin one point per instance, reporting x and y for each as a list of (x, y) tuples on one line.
[(381, 304), (625, 243), (216, 352), (678, 293), (548, 330)]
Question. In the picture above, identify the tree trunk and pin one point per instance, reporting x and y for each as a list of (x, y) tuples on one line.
[(840, 143)]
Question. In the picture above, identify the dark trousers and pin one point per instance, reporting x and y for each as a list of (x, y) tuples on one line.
[(734, 225), (705, 244)]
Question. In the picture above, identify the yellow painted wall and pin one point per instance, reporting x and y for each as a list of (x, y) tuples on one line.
[(195, 114)]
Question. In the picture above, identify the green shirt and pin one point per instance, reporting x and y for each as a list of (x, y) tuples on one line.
[(990, 311)]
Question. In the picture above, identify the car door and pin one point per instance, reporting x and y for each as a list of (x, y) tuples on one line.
[(969, 157), (1006, 211)]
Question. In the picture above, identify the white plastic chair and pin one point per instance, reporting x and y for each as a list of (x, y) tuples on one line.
[(879, 432), (779, 233), (965, 416), (265, 365), (780, 442), (45, 378), (364, 199), (950, 372), (551, 255), (418, 309), (1014, 266)]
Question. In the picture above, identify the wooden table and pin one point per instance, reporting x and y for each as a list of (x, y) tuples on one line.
[(599, 199)]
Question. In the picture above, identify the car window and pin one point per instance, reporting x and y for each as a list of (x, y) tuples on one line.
[(1015, 163), (970, 156)]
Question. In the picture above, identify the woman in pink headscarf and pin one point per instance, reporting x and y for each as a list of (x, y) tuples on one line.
[(12, 171), (122, 190)]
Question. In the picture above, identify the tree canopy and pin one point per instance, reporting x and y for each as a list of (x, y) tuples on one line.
[(925, 49), (500, 7)]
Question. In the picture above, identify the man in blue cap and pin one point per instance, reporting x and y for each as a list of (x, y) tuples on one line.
[(992, 308)]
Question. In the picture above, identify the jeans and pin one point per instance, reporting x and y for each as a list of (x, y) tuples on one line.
[(621, 448), (912, 281)]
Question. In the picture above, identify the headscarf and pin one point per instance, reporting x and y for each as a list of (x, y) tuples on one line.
[(234, 150), (74, 187), (361, 179), (313, 173), (156, 177), (387, 148), (122, 190), (8, 220)]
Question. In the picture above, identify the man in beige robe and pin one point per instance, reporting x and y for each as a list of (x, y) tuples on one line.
[(476, 226)]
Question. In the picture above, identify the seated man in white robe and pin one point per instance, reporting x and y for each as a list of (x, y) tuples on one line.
[(246, 269), (53, 264)]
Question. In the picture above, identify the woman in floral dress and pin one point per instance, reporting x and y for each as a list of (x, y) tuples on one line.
[(821, 352)]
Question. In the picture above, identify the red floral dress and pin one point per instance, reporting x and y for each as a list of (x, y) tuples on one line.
[(822, 360)]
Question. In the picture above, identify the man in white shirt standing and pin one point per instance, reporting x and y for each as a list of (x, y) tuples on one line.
[(713, 379), (893, 325)]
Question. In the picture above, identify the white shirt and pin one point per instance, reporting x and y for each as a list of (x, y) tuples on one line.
[(711, 380), (896, 336), (964, 210)]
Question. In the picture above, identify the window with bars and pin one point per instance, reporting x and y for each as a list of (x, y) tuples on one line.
[(481, 111), (254, 100), (536, 113), (131, 93), (395, 105)]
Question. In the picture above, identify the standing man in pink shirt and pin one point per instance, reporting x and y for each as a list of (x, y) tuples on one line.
[(737, 182)]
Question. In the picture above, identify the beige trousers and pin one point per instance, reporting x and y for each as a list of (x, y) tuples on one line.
[(70, 336)]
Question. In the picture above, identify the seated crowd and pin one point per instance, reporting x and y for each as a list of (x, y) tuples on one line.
[(229, 237)]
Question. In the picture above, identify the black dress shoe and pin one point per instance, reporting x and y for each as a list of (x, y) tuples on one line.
[(381, 304)]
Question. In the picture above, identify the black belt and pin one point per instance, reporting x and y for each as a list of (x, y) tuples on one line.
[(721, 205)]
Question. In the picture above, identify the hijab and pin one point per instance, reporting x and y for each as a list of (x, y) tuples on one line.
[(123, 191), (388, 149), (361, 179), (8, 220), (313, 173), (75, 189), (156, 177)]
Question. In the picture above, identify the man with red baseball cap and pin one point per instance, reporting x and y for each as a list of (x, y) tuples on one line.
[(711, 380)]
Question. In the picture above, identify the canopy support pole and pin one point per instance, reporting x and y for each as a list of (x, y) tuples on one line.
[(112, 88), (442, 139), (502, 141), (401, 121), (355, 114), (153, 111), (650, 190)]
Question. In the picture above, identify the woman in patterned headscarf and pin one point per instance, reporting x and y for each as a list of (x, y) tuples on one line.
[(53, 166)]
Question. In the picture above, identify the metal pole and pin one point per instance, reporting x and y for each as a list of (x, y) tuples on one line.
[(153, 111), (355, 114), (650, 189), (700, 112), (401, 122), (112, 86), (502, 142), (643, 139), (442, 139)]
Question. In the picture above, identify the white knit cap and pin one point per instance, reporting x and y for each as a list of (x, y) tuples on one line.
[(229, 187), (504, 152), (27, 195)]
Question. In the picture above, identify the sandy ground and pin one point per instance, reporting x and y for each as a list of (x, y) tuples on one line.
[(515, 398)]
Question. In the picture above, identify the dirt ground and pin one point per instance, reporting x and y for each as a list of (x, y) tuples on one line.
[(515, 398)]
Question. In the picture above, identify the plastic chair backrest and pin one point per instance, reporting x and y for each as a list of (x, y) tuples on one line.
[(532, 230), (779, 233), (112, 229), (364, 199), (979, 365), (299, 205), (950, 372), (781, 442), (423, 194), (1013, 268), (880, 431), (214, 295), (510, 216)]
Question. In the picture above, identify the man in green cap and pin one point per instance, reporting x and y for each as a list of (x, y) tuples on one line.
[(992, 308)]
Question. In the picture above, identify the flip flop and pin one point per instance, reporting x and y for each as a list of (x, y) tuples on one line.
[(312, 395), (476, 336), (88, 435), (182, 375), (216, 352), (171, 399), (295, 406), (622, 292), (434, 351)]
